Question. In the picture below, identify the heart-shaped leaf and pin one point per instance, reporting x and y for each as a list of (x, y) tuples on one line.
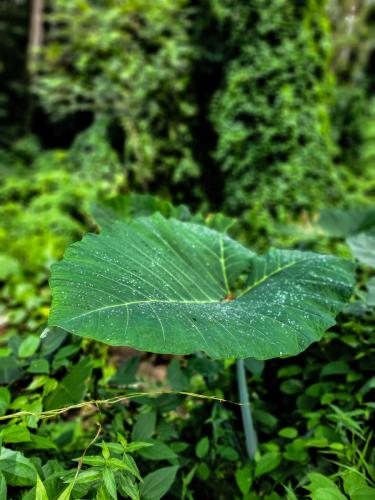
[(171, 287)]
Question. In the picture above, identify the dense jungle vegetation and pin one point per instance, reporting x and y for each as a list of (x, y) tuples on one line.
[(197, 121)]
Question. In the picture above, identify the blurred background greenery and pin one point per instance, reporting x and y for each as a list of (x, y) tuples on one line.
[(261, 109)]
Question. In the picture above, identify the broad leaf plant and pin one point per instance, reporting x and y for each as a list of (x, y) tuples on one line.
[(169, 286)]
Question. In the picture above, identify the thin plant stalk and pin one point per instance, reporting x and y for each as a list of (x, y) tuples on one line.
[(247, 418)]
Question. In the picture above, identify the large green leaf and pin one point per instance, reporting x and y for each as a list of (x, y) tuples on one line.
[(167, 286)]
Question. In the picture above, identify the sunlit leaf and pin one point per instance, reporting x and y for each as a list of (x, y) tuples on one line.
[(40, 490)]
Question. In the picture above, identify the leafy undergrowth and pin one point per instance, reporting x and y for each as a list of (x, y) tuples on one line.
[(313, 412)]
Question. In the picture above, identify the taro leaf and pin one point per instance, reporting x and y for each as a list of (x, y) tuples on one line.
[(343, 223), (363, 248), (166, 286)]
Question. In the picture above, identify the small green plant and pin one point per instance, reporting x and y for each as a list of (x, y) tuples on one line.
[(100, 476), (167, 286), (111, 471)]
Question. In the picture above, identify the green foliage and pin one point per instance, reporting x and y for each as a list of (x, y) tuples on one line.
[(328, 414), (352, 61), (250, 84), (185, 98), (367, 130), (271, 114), (354, 125), (44, 201), (55, 192), (99, 476), (321, 415), (129, 62)]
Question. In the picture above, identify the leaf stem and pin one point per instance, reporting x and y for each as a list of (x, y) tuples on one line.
[(247, 419)]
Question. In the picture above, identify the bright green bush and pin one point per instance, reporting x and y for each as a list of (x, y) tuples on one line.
[(271, 113), (352, 62), (313, 411), (43, 203), (130, 62)]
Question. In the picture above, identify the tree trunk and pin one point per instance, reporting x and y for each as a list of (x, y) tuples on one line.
[(36, 32)]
